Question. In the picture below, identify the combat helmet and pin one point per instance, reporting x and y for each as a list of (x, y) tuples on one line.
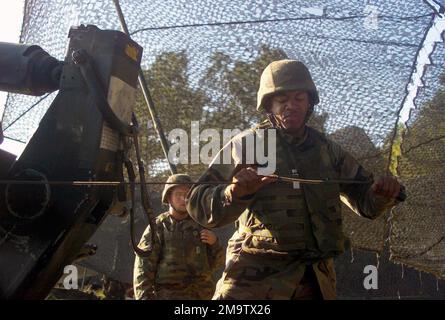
[(285, 75), (174, 181)]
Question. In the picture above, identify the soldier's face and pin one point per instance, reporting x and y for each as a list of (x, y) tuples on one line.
[(290, 109), (177, 198)]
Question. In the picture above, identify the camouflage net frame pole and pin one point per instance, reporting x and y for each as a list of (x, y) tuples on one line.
[(147, 96)]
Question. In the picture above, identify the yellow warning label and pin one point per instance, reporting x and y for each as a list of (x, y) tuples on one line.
[(132, 52)]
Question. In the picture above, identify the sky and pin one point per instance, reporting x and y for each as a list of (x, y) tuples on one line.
[(433, 36), (11, 15)]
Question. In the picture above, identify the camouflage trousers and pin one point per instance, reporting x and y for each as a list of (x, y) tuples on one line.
[(192, 292), (250, 277), (308, 288)]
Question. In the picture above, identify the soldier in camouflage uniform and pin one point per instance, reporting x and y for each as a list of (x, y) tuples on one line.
[(184, 255), (287, 234)]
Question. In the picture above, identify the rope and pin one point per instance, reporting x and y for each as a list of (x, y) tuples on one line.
[(221, 182), (228, 23)]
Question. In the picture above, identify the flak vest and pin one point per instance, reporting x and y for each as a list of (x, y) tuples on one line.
[(305, 221), (183, 256)]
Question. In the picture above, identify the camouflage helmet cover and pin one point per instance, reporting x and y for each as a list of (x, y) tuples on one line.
[(285, 75), (172, 182)]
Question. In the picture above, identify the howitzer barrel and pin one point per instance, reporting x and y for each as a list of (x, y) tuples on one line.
[(28, 69)]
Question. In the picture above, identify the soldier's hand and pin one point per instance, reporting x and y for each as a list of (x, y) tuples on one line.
[(387, 187), (247, 182), (208, 237)]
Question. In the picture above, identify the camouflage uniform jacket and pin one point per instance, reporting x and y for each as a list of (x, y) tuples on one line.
[(267, 260), (180, 266)]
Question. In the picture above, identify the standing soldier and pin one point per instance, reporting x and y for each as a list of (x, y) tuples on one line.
[(184, 255), (287, 234)]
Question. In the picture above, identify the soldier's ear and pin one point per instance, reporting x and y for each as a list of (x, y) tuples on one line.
[(311, 99), (310, 111), (267, 104)]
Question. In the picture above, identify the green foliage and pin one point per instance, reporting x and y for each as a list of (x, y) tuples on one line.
[(396, 151), (176, 103), (232, 87), (225, 99)]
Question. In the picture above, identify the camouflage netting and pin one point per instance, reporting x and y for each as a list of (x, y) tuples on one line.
[(203, 59), (418, 227)]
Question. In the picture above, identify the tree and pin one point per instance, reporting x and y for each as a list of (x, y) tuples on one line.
[(232, 86), (176, 102), (225, 99)]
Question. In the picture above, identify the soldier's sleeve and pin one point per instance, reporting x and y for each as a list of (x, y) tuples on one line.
[(209, 204), (358, 197), (145, 268), (216, 256)]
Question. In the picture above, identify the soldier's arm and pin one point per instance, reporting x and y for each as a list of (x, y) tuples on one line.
[(218, 205), (216, 255), (359, 197), (211, 205), (144, 272)]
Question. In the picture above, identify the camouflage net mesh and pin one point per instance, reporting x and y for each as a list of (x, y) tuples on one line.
[(203, 59), (417, 234)]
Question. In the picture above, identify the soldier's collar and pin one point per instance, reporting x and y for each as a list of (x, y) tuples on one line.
[(293, 140), (173, 219)]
